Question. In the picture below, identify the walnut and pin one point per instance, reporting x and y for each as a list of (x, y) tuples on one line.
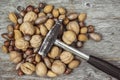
[(36, 41), (27, 28), (21, 44), (66, 57), (30, 17), (15, 57), (69, 37)]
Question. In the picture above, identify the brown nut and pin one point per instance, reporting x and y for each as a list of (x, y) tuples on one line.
[(43, 30), (74, 64), (10, 48), (51, 74), (68, 71), (21, 44), (30, 17), (36, 41), (4, 49), (82, 24), (55, 52), (61, 17), (29, 8), (40, 20), (37, 31), (13, 17), (16, 26), (82, 37), (27, 28), (10, 28), (79, 44), (72, 16), (41, 69), (29, 51), (27, 68), (36, 10), (17, 34), (37, 58), (90, 29), (47, 62), (41, 14), (69, 37), (7, 43), (15, 56), (48, 8), (66, 21), (73, 26), (62, 10), (95, 36), (83, 30), (55, 13), (49, 24), (20, 73), (66, 57), (5, 36), (82, 17), (58, 67)]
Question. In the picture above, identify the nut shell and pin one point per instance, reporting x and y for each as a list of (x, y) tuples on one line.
[(95, 36), (74, 64), (82, 37), (55, 13), (43, 30), (13, 17), (49, 24), (48, 8), (51, 74), (72, 16), (82, 17), (17, 34), (62, 10)]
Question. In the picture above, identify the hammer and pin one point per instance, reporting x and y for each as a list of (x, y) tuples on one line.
[(51, 38)]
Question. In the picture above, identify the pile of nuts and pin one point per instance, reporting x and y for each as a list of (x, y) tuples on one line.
[(28, 30)]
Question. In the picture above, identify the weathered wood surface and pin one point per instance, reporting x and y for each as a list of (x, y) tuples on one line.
[(103, 14)]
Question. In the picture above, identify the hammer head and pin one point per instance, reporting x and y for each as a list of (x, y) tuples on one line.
[(50, 39)]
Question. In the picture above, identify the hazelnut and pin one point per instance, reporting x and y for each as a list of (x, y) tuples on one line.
[(21, 44), (90, 29), (66, 57), (69, 37), (55, 13), (30, 16), (27, 28), (15, 56), (36, 41), (27, 68), (49, 24), (41, 69), (41, 14), (95, 36), (66, 21), (29, 8), (55, 52), (13, 17), (72, 16), (7, 43), (73, 26), (83, 30), (4, 49), (62, 10), (58, 67), (42, 5), (37, 58), (51, 74), (17, 34), (48, 8), (47, 62), (82, 37), (36, 10), (43, 30), (73, 64), (82, 17)]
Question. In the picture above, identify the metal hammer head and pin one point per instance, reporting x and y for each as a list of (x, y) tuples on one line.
[(50, 39)]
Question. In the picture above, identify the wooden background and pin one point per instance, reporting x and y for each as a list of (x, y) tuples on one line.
[(103, 14)]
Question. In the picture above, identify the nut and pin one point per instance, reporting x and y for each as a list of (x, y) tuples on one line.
[(69, 37), (43, 30), (7, 43), (55, 13), (5, 36), (51, 74), (16, 26), (47, 62), (41, 69), (15, 56), (29, 52), (58, 67), (36, 41), (37, 31), (49, 24), (29, 8), (37, 58), (27, 28), (10, 48), (27, 37), (13, 17), (48, 8), (61, 17), (95, 36), (55, 52), (74, 64), (66, 57), (4, 49), (10, 28), (20, 20), (17, 34), (73, 26), (66, 21), (36, 10), (49, 15), (90, 29), (40, 20), (20, 73), (68, 71), (27, 68), (79, 44), (41, 14), (62, 10), (30, 17), (21, 44), (82, 37), (72, 16), (83, 30), (82, 24), (82, 17)]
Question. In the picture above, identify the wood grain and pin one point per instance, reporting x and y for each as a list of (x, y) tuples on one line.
[(103, 14)]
